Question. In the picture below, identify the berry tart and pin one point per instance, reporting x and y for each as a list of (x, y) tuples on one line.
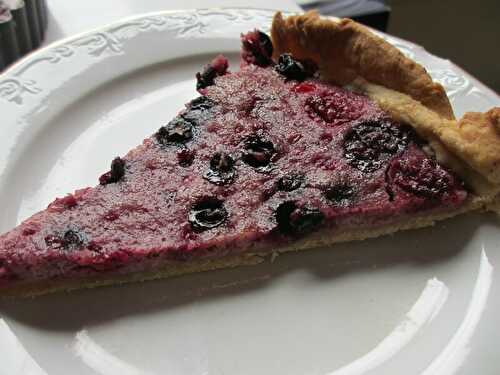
[(327, 133)]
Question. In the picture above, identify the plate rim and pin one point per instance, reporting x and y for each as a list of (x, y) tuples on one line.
[(122, 21), (39, 51), (11, 72)]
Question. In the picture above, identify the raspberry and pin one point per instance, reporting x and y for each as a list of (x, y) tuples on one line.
[(334, 108), (421, 176)]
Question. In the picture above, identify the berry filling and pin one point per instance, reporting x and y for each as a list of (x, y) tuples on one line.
[(265, 155)]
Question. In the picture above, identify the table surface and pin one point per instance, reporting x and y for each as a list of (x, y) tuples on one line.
[(67, 18)]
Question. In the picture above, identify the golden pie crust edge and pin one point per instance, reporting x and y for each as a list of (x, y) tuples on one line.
[(349, 54), (422, 104)]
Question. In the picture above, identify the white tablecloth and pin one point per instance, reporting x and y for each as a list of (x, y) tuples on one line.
[(68, 17)]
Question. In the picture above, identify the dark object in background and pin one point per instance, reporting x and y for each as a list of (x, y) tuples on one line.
[(22, 28), (42, 16), (20, 16), (373, 13), (9, 49), (34, 22)]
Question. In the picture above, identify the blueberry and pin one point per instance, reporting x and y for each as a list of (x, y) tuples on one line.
[(115, 174), (198, 111), (340, 193), (206, 78), (257, 48), (258, 152), (207, 213), (201, 103), (290, 182), (217, 67), (177, 131), (53, 241), (185, 157), (294, 220), (294, 69), (71, 239), (368, 145), (221, 162), (221, 170)]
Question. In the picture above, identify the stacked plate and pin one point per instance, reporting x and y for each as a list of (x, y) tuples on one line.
[(22, 28)]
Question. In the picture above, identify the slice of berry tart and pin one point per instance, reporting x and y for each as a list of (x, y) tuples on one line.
[(327, 133)]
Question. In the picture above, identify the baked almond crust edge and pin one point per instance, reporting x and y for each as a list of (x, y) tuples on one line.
[(345, 50), (351, 55)]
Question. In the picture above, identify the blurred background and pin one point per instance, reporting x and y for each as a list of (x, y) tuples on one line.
[(466, 32), (463, 31)]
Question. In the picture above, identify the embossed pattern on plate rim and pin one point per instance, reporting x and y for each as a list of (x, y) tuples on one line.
[(109, 39)]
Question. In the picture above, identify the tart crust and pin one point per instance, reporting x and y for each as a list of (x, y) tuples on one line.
[(344, 50), (317, 239), (351, 55)]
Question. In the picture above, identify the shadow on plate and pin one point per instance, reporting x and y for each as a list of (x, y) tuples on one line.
[(417, 248)]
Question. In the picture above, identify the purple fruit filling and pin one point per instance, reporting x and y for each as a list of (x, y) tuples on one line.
[(265, 155)]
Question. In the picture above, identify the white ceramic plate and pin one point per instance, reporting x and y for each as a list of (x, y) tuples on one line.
[(420, 302)]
